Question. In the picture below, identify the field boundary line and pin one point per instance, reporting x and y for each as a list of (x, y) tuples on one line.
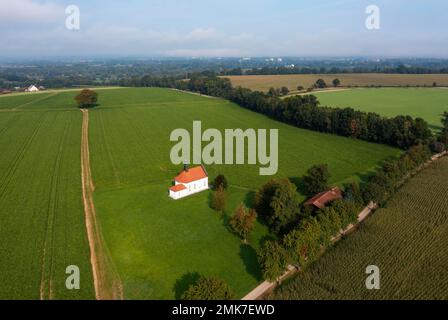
[(106, 280), (18, 94), (317, 91), (35, 101), (196, 94)]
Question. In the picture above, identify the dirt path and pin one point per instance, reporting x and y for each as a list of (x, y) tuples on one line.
[(195, 93), (315, 91), (105, 277)]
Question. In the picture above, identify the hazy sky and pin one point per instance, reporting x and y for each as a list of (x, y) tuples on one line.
[(33, 28)]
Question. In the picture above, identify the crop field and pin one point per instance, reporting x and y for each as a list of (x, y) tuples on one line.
[(157, 244), (264, 82), (42, 227), (426, 103), (407, 241)]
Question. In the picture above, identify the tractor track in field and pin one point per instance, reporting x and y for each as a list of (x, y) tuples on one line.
[(106, 280), (109, 154), (20, 154), (46, 283), (35, 101)]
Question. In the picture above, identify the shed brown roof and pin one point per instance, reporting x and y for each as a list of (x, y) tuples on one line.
[(323, 198)]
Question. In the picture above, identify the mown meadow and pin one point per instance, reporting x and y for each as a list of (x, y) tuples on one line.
[(426, 103)]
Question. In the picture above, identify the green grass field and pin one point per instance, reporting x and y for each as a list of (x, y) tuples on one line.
[(157, 244), (425, 103), (407, 241), (42, 227)]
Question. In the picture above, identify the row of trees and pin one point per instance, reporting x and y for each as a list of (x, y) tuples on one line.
[(310, 232), (305, 243), (305, 112), (303, 234), (320, 83), (401, 69)]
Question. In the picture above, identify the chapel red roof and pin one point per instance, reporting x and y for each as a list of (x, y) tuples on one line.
[(191, 174)]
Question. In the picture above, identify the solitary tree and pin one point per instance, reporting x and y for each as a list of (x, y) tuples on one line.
[(87, 98), (219, 200), (284, 91), (320, 83), (220, 182), (336, 82), (300, 88), (316, 179), (209, 288), (242, 221)]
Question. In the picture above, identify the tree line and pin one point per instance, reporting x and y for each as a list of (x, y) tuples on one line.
[(304, 233), (285, 70), (305, 112)]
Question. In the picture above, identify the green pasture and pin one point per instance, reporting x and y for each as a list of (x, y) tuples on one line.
[(426, 103)]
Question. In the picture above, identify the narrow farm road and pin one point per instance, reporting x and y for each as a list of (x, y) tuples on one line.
[(105, 277)]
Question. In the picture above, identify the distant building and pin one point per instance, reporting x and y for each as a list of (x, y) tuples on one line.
[(32, 88), (322, 199), (189, 181)]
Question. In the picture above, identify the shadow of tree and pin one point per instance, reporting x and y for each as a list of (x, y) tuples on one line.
[(92, 106), (249, 257), (184, 283), (297, 181), (249, 199), (210, 199)]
